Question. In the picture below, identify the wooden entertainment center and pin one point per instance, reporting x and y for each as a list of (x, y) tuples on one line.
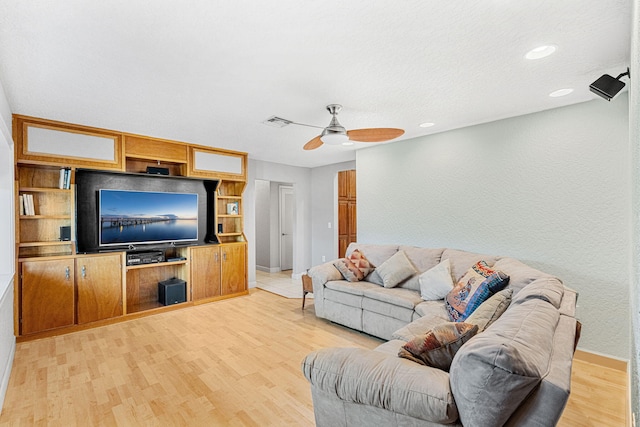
[(60, 289)]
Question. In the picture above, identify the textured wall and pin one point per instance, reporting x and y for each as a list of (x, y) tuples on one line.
[(550, 188), (301, 180), (263, 218), (324, 208)]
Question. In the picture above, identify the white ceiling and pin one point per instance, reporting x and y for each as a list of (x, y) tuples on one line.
[(210, 72)]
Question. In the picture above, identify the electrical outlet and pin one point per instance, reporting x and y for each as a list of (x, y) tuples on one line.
[(324, 258), (328, 225)]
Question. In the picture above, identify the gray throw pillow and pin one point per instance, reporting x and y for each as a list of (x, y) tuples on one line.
[(396, 269)]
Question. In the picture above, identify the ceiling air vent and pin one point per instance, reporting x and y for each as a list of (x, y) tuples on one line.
[(277, 122)]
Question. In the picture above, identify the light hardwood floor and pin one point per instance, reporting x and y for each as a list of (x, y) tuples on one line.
[(229, 363)]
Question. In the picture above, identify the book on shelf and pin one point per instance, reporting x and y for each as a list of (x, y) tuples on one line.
[(21, 204), (65, 179), (27, 202)]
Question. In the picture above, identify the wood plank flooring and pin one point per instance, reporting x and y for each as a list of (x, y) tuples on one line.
[(229, 363)]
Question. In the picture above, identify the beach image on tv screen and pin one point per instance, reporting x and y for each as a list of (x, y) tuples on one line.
[(130, 217)]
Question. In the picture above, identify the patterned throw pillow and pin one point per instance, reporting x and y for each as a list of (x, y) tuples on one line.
[(474, 288), (361, 262), (438, 346), (355, 267)]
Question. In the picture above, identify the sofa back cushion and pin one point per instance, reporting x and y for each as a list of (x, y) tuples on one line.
[(422, 259), (461, 261), (496, 370), (520, 273), (376, 254)]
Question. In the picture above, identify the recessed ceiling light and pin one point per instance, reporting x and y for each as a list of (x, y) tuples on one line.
[(560, 92), (541, 52), (426, 125)]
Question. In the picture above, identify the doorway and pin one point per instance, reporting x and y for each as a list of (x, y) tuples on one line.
[(275, 231)]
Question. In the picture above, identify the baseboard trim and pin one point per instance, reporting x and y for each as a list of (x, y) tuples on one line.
[(268, 269), (602, 360)]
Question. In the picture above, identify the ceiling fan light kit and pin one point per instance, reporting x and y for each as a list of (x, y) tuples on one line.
[(336, 134)]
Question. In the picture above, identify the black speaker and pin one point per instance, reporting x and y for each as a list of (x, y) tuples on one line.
[(157, 171), (606, 87), (65, 233), (172, 291)]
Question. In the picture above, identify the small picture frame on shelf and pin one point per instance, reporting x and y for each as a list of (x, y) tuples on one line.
[(232, 208)]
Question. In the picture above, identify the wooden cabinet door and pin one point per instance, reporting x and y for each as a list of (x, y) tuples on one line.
[(47, 295), (205, 272), (353, 222), (347, 220), (234, 268), (99, 281)]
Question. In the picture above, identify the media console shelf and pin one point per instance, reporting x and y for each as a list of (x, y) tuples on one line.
[(60, 290)]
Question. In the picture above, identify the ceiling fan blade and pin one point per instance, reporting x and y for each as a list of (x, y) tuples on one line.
[(313, 144), (374, 134)]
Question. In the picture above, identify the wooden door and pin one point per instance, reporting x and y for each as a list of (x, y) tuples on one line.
[(234, 272), (205, 272), (47, 295), (99, 281), (347, 224)]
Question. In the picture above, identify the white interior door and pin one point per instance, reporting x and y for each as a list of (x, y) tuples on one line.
[(286, 228)]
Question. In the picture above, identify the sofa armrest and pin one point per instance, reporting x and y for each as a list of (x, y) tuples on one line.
[(320, 275), (381, 380)]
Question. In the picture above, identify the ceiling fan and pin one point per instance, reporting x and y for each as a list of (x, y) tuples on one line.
[(336, 134)]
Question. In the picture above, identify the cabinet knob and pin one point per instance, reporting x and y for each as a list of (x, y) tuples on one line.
[(67, 273), (84, 271)]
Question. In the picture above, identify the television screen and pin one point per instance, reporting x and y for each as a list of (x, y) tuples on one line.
[(138, 217)]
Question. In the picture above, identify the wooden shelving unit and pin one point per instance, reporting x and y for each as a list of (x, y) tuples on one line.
[(94, 289)]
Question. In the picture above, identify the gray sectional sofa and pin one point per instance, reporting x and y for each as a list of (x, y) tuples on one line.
[(517, 372)]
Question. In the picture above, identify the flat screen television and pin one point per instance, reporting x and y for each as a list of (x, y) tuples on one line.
[(129, 217)]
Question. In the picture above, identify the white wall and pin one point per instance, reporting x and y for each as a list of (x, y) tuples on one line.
[(263, 221), (634, 138), (300, 178), (7, 246), (550, 188), (324, 207)]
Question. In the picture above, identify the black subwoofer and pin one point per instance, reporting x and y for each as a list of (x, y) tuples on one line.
[(172, 291)]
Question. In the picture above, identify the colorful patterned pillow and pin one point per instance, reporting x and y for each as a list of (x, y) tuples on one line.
[(361, 262), (349, 271), (438, 346), (474, 288), (355, 267)]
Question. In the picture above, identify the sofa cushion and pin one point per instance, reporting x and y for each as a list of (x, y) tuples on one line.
[(396, 296), (473, 289), (376, 254), (490, 310), (344, 298), (422, 259), (357, 288), (427, 308), (436, 282), (520, 274), (438, 346), (434, 317), (495, 371), (548, 289), (462, 261), (395, 269), (374, 378)]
